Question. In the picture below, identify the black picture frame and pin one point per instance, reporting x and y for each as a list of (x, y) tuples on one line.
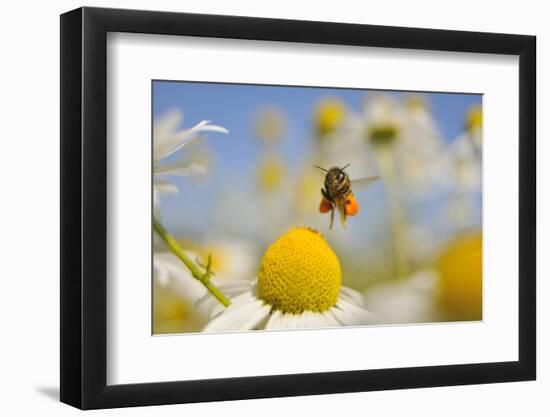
[(84, 207)]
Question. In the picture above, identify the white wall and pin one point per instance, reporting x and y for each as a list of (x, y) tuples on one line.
[(29, 182)]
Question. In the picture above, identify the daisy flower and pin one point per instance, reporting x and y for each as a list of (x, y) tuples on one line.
[(466, 151), (466, 156), (450, 291), (169, 139), (270, 125), (330, 113), (299, 285)]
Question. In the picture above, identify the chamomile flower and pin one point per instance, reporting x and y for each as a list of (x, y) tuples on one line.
[(450, 291), (466, 152), (329, 116), (299, 285), (270, 125), (168, 139), (466, 157), (461, 278)]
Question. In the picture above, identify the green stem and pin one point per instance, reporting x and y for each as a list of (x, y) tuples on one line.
[(400, 247), (202, 277)]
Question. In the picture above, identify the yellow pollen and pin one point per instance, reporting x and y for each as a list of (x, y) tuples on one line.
[(300, 272)]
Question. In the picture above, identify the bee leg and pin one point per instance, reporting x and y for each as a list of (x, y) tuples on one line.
[(331, 218), (343, 218)]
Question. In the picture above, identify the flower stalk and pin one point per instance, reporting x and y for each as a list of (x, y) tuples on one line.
[(202, 277), (387, 166)]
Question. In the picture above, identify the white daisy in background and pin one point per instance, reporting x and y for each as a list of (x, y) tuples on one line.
[(466, 153), (299, 285), (407, 300), (175, 288), (405, 128), (466, 157), (168, 139)]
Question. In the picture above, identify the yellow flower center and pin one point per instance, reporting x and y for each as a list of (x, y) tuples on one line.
[(300, 272), (474, 118), (416, 103), (384, 133), (271, 173), (460, 270), (329, 116)]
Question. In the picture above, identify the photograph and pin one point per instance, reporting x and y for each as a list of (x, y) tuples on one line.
[(294, 207)]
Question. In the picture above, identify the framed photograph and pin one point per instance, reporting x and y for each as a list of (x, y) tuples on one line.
[(257, 208)]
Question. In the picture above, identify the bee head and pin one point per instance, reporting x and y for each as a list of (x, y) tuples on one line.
[(337, 176)]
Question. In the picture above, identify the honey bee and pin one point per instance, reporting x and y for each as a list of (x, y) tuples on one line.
[(337, 193)]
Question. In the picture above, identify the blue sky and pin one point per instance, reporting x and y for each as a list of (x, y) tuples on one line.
[(234, 107)]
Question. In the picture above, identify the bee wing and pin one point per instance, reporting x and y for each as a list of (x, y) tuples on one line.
[(363, 182)]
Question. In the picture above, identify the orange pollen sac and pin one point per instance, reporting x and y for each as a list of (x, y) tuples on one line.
[(352, 207), (325, 206)]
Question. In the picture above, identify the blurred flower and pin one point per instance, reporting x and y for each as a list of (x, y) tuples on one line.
[(329, 115), (170, 272), (460, 283), (466, 166), (231, 259), (466, 163), (270, 173), (474, 118), (167, 140), (298, 286), (176, 290), (408, 300), (270, 124), (384, 120), (307, 192), (173, 314), (403, 139), (466, 152)]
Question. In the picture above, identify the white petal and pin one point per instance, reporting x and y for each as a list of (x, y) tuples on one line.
[(274, 321), (330, 320), (161, 186), (161, 272), (352, 296), (238, 317), (218, 308), (309, 319), (348, 314), (286, 321), (171, 143), (204, 126), (229, 291), (289, 321), (165, 133), (234, 287), (182, 169)]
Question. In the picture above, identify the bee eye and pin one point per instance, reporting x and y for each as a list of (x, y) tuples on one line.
[(340, 177)]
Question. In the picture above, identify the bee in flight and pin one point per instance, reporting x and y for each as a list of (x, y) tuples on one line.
[(337, 193)]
